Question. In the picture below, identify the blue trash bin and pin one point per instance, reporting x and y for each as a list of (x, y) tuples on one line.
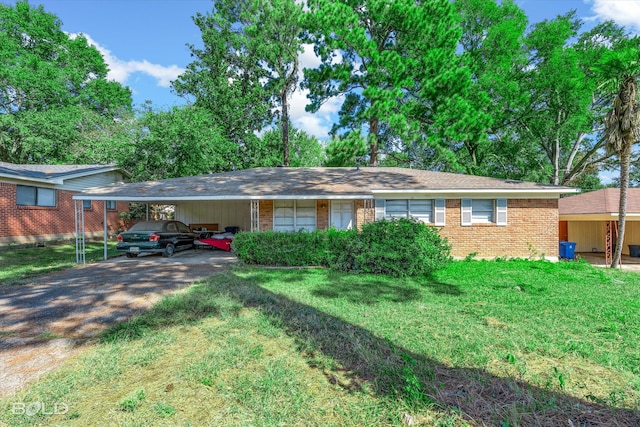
[(571, 250), (567, 250), (562, 249)]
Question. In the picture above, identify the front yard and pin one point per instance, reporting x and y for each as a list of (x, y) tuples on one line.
[(502, 343), (18, 264)]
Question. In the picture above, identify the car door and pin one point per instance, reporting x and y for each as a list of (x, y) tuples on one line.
[(185, 235)]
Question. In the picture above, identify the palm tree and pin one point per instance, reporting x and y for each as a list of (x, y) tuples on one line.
[(620, 69)]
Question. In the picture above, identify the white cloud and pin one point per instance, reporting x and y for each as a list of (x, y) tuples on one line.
[(623, 12), (319, 123), (120, 70)]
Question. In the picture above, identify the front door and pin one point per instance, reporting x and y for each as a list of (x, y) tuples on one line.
[(342, 214), (563, 231)]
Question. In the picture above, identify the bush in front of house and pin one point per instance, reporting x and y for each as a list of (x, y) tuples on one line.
[(280, 248), (398, 247)]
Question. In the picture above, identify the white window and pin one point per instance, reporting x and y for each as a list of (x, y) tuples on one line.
[(484, 211), (111, 205), (86, 204), (294, 215), (35, 196), (420, 209)]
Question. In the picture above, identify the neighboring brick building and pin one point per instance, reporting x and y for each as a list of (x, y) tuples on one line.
[(36, 201), (478, 215)]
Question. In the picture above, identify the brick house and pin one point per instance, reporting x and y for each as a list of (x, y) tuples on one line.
[(36, 201), (486, 216)]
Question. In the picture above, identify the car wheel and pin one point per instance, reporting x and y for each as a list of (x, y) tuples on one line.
[(130, 255), (168, 250)]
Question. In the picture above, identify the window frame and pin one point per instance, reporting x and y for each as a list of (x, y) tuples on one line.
[(109, 202), (297, 224), (498, 213), (37, 197), (436, 215)]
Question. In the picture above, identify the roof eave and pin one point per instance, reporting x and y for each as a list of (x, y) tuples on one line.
[(83, 196), (51, 181), (484, 191)]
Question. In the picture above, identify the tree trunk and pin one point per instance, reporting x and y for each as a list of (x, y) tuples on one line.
[(373, 134), (625, 162), (285, 127)]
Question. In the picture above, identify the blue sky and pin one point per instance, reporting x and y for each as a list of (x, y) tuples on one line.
[(144, 42)]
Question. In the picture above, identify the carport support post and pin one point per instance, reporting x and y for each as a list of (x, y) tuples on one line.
[(104, 221), (80, 242)]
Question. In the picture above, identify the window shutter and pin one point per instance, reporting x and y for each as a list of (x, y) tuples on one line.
[(380, 208), (465, 212), (439, 212), (501, 211)]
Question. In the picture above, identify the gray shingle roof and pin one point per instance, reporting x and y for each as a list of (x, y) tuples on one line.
[(272, 183), (50, 172)]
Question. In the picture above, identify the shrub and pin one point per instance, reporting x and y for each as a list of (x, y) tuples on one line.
[(399, 247), (280, 249)]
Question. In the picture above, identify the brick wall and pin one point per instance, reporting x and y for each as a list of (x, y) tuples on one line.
[(37, 223), (531, 231), (322, 214), (266, 215)]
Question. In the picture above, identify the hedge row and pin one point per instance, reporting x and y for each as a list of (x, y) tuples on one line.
[(399, 247)]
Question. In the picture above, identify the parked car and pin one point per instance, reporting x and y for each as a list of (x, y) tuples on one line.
[(164, 237)]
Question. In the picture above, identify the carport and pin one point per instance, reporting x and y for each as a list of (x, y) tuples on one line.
[(235, 199), (205, 209), (591, 220)]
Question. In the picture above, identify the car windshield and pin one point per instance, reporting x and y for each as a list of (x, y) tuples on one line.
[(148, 226)]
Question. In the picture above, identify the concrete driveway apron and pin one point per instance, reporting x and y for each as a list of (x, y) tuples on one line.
[(46, 320)]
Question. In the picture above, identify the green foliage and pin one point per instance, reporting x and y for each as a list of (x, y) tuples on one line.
[(345, 151), (54, 97), (398, 70), (248, 65), (537, 84), (402, 247), (281, 249), (183, 141), (305, 150)]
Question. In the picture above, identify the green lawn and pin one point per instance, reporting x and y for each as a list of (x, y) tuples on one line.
[(16, 264), (502, 343)]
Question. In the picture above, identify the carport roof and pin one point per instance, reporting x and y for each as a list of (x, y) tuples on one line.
[(316, 183), (600, 202)]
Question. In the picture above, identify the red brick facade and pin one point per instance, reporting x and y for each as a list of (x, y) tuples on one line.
[(531, 230), (39, 223)]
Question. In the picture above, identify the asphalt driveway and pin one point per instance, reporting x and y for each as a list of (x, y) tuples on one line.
[(48, 319)]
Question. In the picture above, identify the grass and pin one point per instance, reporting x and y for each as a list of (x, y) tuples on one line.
[(18, 264), (479, 343)]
